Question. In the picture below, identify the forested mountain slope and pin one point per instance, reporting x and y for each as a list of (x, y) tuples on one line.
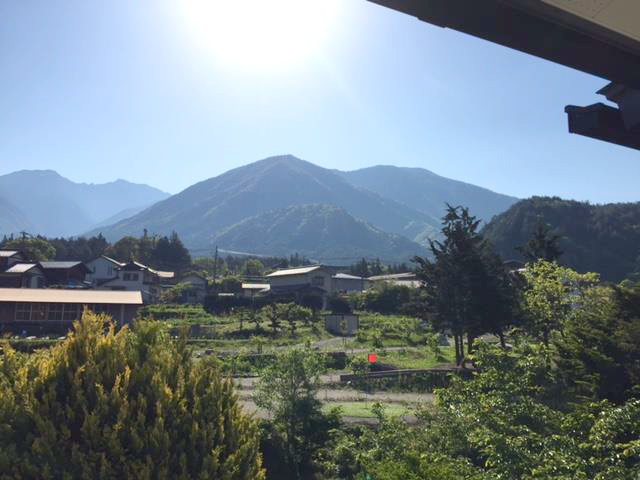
[(598, 238)]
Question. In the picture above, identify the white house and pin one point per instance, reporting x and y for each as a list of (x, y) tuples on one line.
[(302, 281), (407, 279), (134, 276), (102, 269), (345, 283)]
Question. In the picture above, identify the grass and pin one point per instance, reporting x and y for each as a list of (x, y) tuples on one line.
[(364, 409), (417, 358)]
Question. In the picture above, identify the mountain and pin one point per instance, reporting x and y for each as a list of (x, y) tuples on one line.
[(11, 218), (322, 232), (56, 206), (595, 238), (427, 192), (204, 210)]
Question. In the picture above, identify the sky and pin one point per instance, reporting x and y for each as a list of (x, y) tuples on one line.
[(171, 92)]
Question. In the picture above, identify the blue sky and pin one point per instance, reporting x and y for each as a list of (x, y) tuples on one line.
[(102, 90)]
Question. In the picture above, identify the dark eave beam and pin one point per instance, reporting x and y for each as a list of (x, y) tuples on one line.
[(527, 26), (602, 122)]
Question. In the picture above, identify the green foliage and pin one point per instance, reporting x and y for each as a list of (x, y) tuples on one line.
[(288, 390), (542, 245), (594, 238), (550, 294), (110, 405), (338, 305), (466, 284), (387, 298), (174, 294), (37, 249), (359, 365), (163, 253)]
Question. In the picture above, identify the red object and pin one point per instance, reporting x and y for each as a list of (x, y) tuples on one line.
[(373, 358)]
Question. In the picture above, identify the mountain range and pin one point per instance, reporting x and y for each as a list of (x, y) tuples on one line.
[(276, 206), (43, 202)]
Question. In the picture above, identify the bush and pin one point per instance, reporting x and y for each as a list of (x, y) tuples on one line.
[(121, 405)]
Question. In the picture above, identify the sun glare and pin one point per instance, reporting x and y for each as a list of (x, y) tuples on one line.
[(259, 33)]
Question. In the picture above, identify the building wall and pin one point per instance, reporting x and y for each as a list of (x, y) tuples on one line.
[(312, 278), (101, 269), (350, 285)]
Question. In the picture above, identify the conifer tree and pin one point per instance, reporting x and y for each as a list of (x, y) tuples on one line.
[(117, 405)]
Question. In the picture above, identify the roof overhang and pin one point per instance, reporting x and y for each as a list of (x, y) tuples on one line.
[(599, 38)]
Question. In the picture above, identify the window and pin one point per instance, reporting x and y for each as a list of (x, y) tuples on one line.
[(72, 311), (23, 312), (38, 312), (317, 281), (55, 312), (130, 277)]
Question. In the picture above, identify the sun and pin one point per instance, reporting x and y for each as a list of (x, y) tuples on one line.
[(259, 33)]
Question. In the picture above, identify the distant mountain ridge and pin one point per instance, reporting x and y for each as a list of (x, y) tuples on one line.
[(594, 238), (427, 192), (324, 233), (52, 205), (230, 209), (203, 210)]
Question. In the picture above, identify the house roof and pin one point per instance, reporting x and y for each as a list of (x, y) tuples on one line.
[(8, 253), (133, 265), (43, 295), (395, 276), (109, 259), (61, 265), (346, 276), (256, 286), (21, 267), (294, 271)]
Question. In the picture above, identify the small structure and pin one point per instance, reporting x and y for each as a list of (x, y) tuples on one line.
[(345, 283), (338, 324), (23, 275), (251, 290), (67, 274), (198, 287), (407, 279), (11, 257), (314, 280), (38, 310), (102, 269)]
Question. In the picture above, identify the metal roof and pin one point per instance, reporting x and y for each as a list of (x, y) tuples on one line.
[(294, 271), (256, 286), (21, 267), (60, 265), (43, 295), (394, 276), (8, 253), (115, 262), (346, 276)]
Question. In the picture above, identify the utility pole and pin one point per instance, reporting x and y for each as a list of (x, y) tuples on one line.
[(215, 266)]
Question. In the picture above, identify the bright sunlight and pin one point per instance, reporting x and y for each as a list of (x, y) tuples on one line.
[(259, 33)]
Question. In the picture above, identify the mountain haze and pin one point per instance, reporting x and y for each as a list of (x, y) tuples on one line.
[(204, 210), (52, 205), (427, 192), (322, 232)]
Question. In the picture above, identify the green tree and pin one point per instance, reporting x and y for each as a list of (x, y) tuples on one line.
[(271, 314), (109, 405), (542, 245), (126, 249), (288, 390), (549, 296), (467, 287), (37, 249)]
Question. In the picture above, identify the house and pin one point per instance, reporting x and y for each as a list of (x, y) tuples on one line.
[(23, 275), (102, 269), (31, 310), (251, 290), (198, 287), (345, 283), (10, 257), (296, 283), (67, 274), (407, 279), (134, 276)]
